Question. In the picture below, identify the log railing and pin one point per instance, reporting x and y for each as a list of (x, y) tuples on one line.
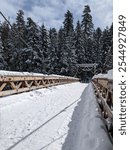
[(11, 84)]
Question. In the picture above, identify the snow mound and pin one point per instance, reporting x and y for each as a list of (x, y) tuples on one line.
[(109, 75), (100, 76), (87, 130)]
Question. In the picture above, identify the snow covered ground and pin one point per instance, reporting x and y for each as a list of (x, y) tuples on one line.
[(38, 119), (62, 117)]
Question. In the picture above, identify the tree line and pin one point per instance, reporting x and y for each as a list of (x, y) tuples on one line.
[(55, 51)]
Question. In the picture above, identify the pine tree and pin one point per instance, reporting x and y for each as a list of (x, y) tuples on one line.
[(106, 50), (87, 29), (69, 57), (109, 59), (20, 29), (52, 53), (35, 58), (97, 45), (61, 54), (68, 23), (4, 34), (12, 51), (80, 53), (44, 40), (2, 61), (4, 31), (44, 37), (87, 24)]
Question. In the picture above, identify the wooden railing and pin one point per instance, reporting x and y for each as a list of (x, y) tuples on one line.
[(11, 84), (104, 92)]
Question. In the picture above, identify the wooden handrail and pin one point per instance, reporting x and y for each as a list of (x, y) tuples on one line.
[(104, 92), (11, 84)]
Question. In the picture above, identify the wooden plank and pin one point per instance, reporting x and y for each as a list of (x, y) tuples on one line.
[(108, 84), (26, 83), (15, 78), (39, 83), (43, 82), (105, 105), (14, 91), (18, 86), (30, 84), (13, 86), (23, 78), (2, 86), (36, 83)]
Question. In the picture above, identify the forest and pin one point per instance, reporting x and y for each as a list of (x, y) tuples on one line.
[(55, 51)]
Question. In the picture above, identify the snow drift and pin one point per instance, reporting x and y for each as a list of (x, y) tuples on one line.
[(87, 130)]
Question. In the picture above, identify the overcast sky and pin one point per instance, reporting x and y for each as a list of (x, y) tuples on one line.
[(51, 12)]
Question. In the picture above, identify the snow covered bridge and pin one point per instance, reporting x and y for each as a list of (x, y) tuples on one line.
[(59, 117)]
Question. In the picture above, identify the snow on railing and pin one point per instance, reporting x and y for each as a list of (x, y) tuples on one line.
[(15, 82), (103, 85), (108, 76)]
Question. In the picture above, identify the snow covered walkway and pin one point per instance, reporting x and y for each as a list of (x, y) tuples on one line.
[(63, 117), (87, 130), (38, 120)]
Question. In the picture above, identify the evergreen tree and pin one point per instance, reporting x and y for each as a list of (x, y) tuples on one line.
[(106, 49), (87, 24), (2, 61), (19, 32), (87, 29), (61, 54), (68, 23), (80, 53), (35, 58), (44, 40), (12, 51), (109, 59), (69, 57), (20, 29), (52, 53), (4, 31), (4, 34), (97, 45), (44, 37)]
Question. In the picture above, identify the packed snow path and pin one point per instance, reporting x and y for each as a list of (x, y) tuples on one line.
[(38, 119)]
